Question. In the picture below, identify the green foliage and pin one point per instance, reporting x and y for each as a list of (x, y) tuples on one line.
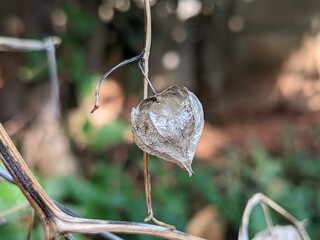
[(10, 198), (37, 70), (82, 23), (281, 178), (107, 136)]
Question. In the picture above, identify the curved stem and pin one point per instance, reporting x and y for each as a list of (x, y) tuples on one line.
[(260, 198), (123, 63), (80, 225)]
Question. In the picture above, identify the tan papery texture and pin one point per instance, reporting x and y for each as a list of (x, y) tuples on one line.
[(169, 125)]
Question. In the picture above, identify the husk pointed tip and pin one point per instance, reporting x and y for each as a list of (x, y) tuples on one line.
[(189, 169)]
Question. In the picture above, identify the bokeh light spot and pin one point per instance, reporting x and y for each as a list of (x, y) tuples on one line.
[(59, 20), (188, 8), (236, 23), (179, 34), (171, 60), (122, 5), (105, 13)]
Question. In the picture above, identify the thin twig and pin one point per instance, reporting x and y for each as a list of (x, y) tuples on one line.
[(145, 71), (123, 63), (31, 225), (146, 160), (15, 209), (4, 174), (146, 77), (49, 42), (68, 237), (267, 216), (26, 45)]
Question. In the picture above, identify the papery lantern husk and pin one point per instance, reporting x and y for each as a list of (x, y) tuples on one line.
[(169, 125)]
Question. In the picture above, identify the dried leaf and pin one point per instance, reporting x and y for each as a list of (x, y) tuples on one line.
[(169, 125)]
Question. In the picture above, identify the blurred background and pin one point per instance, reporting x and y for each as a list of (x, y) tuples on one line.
[(254, 65)]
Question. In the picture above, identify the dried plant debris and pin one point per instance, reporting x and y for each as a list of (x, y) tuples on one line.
[(169, 125), (279, 233)]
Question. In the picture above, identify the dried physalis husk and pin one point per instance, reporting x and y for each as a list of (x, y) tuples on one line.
[(278, 232), (169, 125)]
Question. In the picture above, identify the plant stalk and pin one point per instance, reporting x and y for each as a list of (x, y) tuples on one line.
[(145, 66)]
